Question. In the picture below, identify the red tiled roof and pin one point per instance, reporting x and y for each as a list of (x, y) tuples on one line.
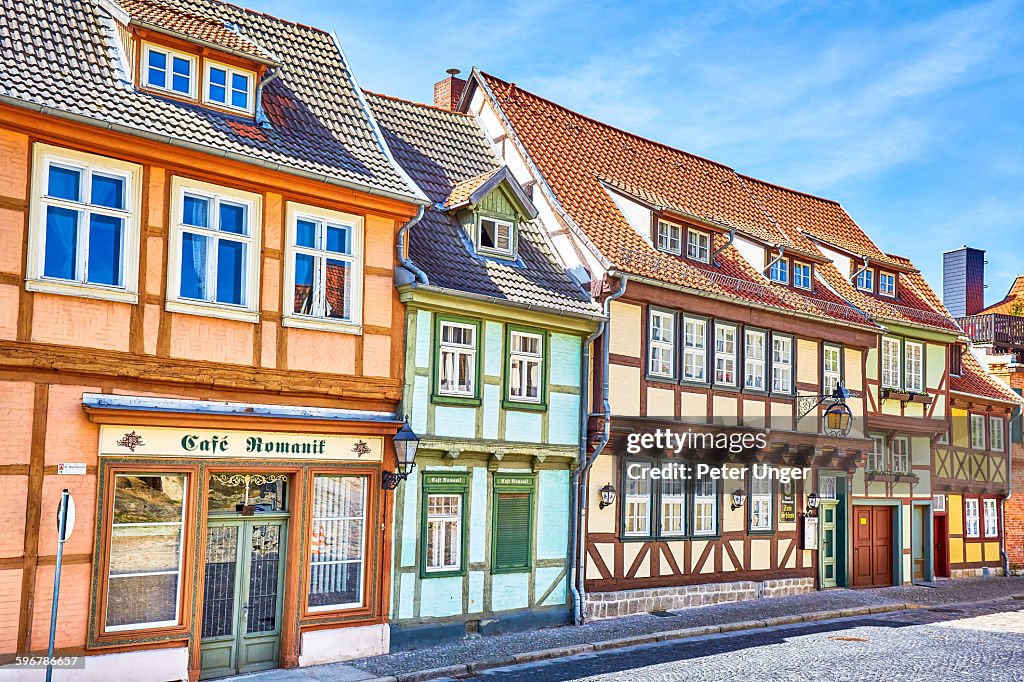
[(194, 26), (975, 381), (461, 192), (1009, 305), (579, 157)]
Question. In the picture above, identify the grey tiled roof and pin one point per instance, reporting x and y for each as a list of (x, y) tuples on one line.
[(440, 149), (65, 56)]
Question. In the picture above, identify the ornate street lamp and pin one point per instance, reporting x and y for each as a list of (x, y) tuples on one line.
[(406, 441), (838, 418), (738, 497), (607, 496)]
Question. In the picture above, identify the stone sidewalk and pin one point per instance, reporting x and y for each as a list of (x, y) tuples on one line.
[(484, 652)]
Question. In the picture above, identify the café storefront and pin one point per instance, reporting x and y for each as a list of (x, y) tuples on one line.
[(256, 542)]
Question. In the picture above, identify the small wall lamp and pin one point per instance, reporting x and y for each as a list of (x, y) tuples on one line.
[(607, 496), (738, 497), (406, 441), (812, 504)]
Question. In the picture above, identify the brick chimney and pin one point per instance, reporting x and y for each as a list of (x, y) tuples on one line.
[(448, 91), (963, 281)]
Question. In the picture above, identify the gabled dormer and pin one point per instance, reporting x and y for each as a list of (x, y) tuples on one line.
[(183, 56), (491, 207)]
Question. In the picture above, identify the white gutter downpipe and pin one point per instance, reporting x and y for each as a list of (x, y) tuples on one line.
[(782, 252), (402, 244), (581, 474), (1002, 503), (854, 276)]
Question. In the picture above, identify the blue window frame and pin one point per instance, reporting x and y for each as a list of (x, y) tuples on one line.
[(228, 87), (866, 280), (802, 275), (779, 271), (168, 70)]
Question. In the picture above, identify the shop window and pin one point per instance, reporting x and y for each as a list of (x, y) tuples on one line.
[(247, 494), (526, 367), (695, 349), (754, 360), (513, 522), (661, 343), (669, 237), (782, 364), (457, 358), (891, 363), (832, 368), (914, 366), (725, 354), (337, 542), (991, 511), (761, 504), (978, 431), (146, 548), (324, 268), (972, 517)]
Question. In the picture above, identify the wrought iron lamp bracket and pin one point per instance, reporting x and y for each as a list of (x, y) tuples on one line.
[(390, 479)]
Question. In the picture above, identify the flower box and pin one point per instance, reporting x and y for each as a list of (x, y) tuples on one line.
[(881, 477), (908, 478), (890, 394)]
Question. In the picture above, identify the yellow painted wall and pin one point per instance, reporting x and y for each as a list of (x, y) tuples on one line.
[(872, 367), (973, 552), (935, 364), (661, 402), (625, 393), (956, 550), (960, 428), (694, 406), (626, 329), (852, 369), (955, 511), (601, 520), (991, 551), (725, 409), (807, 361)]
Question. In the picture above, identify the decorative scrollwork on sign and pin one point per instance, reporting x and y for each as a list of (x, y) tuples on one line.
[(361, 448), (247, 479), (131, 441)]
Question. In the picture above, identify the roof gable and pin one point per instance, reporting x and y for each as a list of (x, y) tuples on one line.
[(500, 186)]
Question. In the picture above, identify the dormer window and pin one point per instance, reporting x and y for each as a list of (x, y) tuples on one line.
[(698, 245), (669, 238), (779, 271), (168, 71), (866, 280), (802, 275), (887, 284), (229, 87), (495, 237)]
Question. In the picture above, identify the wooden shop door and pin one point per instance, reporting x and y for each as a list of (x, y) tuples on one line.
[(872, 546)]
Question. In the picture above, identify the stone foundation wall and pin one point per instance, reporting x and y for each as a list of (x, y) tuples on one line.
[(974, 572), (629, 602)]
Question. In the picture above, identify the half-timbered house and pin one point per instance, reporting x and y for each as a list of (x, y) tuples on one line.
[(200, 339)]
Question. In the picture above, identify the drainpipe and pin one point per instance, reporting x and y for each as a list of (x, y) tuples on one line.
[(580, 475), (863, 267), (1002, 505), (261, 116), (723, 247), (574, 518), (403, 238), (782, 251)]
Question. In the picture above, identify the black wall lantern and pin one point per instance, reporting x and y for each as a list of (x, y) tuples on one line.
[(738, 497), (607, 496), (812, 504), (838, 418), (406, 441)]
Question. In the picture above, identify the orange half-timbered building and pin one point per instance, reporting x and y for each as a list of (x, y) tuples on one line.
[(200, 339)]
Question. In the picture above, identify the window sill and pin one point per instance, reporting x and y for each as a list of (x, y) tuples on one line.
[(81, 290), (211, 310), (506, 571), (461, 401), (424, 575), (526, 407), (322, 325)]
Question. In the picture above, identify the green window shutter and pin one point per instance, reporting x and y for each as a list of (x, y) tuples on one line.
[(512, 516), (1016, 423)]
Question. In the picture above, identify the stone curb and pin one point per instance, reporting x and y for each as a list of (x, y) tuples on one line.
[(670, 635)]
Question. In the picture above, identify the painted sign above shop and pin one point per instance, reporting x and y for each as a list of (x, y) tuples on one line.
[(148, 441)]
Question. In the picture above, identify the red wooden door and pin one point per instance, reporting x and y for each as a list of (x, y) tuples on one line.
[(872, 546), (941, 546)]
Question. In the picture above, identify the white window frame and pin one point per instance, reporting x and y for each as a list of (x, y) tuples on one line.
[(977, 423), (831, 367), (182, 545), (876, 458), (972, 518), (494, 250), (698, 245), (901, 455), (245, 313), (695, 349), (939, 503), (996, 434), (669, 237), (778, 271), (526, 360), (865, 280), (913, 366), (753, 365), (703, 502), (782, 365), (762, 504), (672, 505), (637, 500), (990, 516), (444, 520), (799, 269), (322, 217), (457, 350), (891, 352), (193, 79), (362, 559), (231, 71), (43, 156), (889, 290), (660, 344), (725, 360)]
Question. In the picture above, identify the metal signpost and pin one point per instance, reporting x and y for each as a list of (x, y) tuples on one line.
[(65, 524)]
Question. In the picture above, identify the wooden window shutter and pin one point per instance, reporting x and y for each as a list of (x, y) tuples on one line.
[(512, 536)]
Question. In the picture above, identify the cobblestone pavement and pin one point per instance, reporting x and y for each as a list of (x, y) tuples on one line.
[(982, 642), (503, 646)]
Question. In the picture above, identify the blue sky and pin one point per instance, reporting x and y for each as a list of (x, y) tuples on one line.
[(911, 114)]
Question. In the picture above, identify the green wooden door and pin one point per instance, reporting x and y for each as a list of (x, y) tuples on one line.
[(829, 543), (241, 625)]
